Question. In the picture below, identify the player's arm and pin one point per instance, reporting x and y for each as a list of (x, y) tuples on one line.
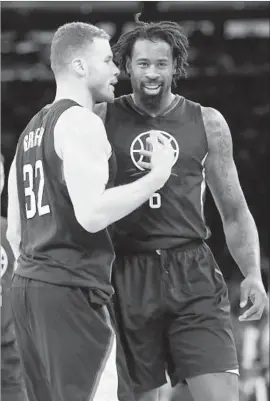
[(81, 142), (13, 217), (239, 226), (222, 179)]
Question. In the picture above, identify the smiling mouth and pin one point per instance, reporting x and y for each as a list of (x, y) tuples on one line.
[(152, 87)]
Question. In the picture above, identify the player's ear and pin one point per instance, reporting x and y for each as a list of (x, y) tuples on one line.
[(79, 66), (128, 65)]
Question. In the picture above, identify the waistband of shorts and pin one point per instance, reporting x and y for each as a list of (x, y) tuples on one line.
[(187, 246), (193, 244)]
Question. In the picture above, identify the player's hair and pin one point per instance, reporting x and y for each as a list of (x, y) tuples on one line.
[(69, 40), (168, 31)]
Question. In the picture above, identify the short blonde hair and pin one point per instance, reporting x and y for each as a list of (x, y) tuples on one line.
[(69, 39)]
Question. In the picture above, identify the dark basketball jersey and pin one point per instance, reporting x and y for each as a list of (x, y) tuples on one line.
[(55, 248), (7, 258), (174, 215), (12, 386), (7, 265)]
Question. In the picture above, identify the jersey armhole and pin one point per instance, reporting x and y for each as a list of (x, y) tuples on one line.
[(201, 122)]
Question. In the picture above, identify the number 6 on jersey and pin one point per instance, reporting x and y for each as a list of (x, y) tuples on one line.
[(35, 202)]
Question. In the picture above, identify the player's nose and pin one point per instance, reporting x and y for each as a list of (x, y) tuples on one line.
[(116, 71), (152, 73)]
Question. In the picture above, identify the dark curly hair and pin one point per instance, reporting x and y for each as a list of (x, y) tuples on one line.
[(168, 31)]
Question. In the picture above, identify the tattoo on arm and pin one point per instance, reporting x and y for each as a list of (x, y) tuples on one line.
[(221, 172), (222, 178)]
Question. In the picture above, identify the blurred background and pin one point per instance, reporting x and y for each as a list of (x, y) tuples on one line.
[(229, 70)]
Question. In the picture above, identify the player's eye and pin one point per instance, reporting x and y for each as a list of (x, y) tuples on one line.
[(143, 64)]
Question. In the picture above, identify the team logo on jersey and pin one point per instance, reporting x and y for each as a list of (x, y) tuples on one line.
[(140, 143), (4, 261)]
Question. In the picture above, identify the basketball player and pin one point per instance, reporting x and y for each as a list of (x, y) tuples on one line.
[(171, 298), (12, 388), (60, 204)]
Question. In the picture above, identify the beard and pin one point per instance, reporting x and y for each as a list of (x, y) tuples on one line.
[(151, 102)]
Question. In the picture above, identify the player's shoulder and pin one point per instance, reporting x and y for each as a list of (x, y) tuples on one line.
[(102, 109), (212, 118), (79, 115), (32, 124), (211, 113), (78, 119), (190, 106), (77, 126), (186, 110), (216, 128)]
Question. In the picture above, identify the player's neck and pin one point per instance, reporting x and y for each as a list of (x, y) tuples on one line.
[(165, 102), (74, 91)]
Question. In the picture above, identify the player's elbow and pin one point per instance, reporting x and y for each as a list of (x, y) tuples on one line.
[(235, 213), (11, 234), (92, 222), (14, 239), (94, 226)]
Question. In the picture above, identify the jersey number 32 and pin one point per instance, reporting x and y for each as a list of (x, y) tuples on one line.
[(34, 204)]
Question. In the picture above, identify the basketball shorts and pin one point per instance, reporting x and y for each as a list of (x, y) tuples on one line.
[(173, 314), (66, 342), (12, 386)]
